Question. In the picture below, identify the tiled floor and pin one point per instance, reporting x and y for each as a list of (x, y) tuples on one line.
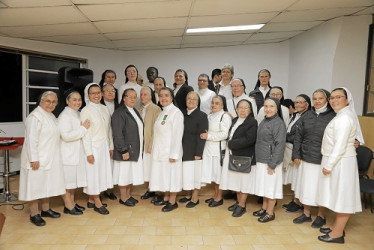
[(146, 227)]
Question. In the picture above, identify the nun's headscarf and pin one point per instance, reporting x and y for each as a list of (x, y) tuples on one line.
[(250, 106), (278, 104), (281, 89), (86, 98), (351, 105), (327, 95), (307, 99)]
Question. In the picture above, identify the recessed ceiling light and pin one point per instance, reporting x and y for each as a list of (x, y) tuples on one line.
[(226, 28)]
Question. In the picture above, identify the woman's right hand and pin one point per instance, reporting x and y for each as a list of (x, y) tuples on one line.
[(126, 156), (86, 123), (204, 136), (34, 165), (91, 159), (297, 161)]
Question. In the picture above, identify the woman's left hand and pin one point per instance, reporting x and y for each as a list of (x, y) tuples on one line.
[(271, 171), (197, 157), (171, 160), (111, 153), (204, 136), (326, 172)]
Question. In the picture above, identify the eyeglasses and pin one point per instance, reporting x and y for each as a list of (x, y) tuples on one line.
[(94, 93), (110, 91), (275, 95), (202, 80), (131, 97), (48, 102), (338, 97), (236, 86), (243, 108)]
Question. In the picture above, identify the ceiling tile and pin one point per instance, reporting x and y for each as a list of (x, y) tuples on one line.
[(49, 30), (139, 25), (273, 35), (2, 5), (313, 15), (230, 20), (35, 3), (73, 39), (367, 11), (147, 42), (112, 1), (215, 38), (104, 45), (143, 34), (206, 45), (222, 7), (138, 10), (324, 4), (39, 16), (291, 26), (171, 46), (266, 41)]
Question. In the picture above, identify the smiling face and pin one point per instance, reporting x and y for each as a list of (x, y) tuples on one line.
[(151, 74), (145, 96), (165, 97), (276, 93), (301, 105), (109, 93), (338, 100), (202, 82), (216, 104), (131, 74), (94, 94), (243, 109), (319, 100), (227, 75), (192, 100), (179, 78), (110, 78), (130, 98), (74, 101), (270, 108), (48, 103), (158, 84), (237, 88)]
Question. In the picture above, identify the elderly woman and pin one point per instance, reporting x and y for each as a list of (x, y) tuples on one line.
[(206, 95), (195, 123), (181, 88), (238, 93), (302, 104), (306, 153), (241, 142), (72, 131), (166, 172), (270, 144), (338, 184), (159, 83), (131, 73), (41, 174), (109, 78), (127, 127), (224, 86), (276, 92), (98, 146), (219, 125)]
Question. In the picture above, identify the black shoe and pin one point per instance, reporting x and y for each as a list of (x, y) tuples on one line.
[(74, 211), (327, 230), (294, 208), (216, 203), (169, 207), (318, 222), (79, 207), (92, 205), (128, 202), (133, 200), (233, 207), (266, 218), (192, 204), (111, 195), (259, 213), (239, 211), (147, 195), (209, 200), (101, 210), (229, 196), (160, 203), (184, 200), (302, 218), (285, 206), (156, 198), (37, 220), (50, 213), (260, 200), (328, 239)]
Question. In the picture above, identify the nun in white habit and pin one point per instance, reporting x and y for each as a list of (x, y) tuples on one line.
[(98, 146)]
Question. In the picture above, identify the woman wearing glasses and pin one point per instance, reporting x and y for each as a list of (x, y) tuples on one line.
[(131, 73), (41, 174)]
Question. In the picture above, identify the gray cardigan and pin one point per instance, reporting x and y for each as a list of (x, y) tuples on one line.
[(271, 141)]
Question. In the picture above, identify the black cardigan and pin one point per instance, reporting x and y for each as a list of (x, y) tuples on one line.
[(194, 124), (243, 140), (125, 134)]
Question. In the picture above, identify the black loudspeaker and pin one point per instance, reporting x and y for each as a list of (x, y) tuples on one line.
[(68, 78)]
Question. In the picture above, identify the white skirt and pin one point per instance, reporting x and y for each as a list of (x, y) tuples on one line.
[(307, 183), (235, 181), (191, 174), (99, 174), (128, 172), (38, 184), (211, 169), (147, 164), (166, 176), (340, 190), (75, 175), (290, 169), (269, 186)]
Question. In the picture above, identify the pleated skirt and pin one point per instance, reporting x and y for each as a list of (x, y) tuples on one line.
[(265, 185)]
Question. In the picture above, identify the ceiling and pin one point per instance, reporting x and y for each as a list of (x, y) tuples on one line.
[(161, 24)]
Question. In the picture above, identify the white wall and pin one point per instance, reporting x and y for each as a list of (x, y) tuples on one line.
[(331, 55)]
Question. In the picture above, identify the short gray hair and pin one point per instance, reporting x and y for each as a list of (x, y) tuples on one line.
[(228, 66)]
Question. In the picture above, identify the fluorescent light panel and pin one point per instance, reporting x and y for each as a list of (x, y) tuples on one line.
[(226, 28)]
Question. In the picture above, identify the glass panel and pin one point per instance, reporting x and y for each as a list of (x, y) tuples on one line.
[(32, 107), (35, 93), (43, 79), (49, 64)]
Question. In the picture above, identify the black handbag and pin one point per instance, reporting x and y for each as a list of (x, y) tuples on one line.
[(240, 164)]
